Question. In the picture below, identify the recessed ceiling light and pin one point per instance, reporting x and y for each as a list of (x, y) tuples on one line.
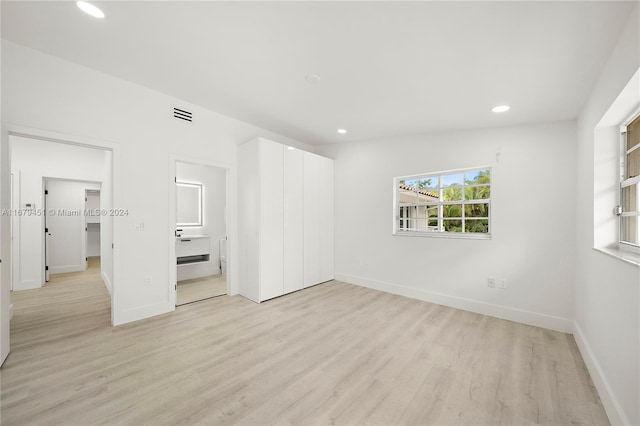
[(313, 78), (90, 9), (342, 131), (290, 148), (501, 108)]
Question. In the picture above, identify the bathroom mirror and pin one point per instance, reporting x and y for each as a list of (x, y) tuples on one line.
[(189, 203)]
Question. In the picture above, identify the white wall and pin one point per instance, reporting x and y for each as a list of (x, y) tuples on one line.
[(68, 238), (607, 294), (533, 229), (214, 184), (32, 161), (43, 92)]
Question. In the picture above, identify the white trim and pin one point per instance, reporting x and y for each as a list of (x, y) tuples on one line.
[(623, 255), (107, 282), (66, 268), (635, 113), (442, 172), (609, 401), (631, 181), (630, 150), (551, 322), (439, 234), (142, 312)]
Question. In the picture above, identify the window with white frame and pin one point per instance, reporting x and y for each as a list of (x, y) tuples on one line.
[(455, 202), (629, 184)]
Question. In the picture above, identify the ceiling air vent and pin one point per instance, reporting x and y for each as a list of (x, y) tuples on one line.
[(182, 114)]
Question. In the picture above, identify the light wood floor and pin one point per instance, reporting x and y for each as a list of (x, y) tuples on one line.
[(331, 354), (201, 288)]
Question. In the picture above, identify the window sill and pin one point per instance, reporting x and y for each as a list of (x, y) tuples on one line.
[(623, 255), (458, 236)]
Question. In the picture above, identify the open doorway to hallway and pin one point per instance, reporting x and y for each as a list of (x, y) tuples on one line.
[(29, 158), (59, 193)]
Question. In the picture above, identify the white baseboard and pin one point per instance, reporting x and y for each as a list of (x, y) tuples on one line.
[(107, 282), (563, 325), (142, 312), (67, 268), (609, 400)]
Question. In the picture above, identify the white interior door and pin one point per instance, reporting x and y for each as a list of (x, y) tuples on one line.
[(67, 242)]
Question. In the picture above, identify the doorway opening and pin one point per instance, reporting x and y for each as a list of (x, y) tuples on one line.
[(71, 225), (200, 232), (27, 157), (59, 193)]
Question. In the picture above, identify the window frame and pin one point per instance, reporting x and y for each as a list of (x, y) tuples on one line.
[(398, 208), (625, 182)]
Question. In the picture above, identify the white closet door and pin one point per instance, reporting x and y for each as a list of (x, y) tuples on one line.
[(249, 220), (271, 224), (326, 219), (293, 220), (311, 219)]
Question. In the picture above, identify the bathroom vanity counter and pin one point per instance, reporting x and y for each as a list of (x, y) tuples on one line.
[(192, 249), (191, 237)]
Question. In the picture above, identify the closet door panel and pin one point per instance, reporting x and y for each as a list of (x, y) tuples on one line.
[(293, 220), (271, 225), (249, 218), (326, 220), (311, 219)]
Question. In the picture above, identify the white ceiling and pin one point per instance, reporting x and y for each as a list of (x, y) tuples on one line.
[(386, 68)]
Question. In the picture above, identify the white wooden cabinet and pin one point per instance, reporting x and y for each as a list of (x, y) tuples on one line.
[(192, 249), (271, 222), (293, 220), (318, 219), (311, 219), (285, 204)]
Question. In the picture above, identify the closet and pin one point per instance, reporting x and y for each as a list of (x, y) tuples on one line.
[(92, 222), (285, 205)]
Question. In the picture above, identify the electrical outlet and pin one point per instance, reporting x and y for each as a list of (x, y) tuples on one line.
[(502, 283), (491, 282), (147, 280)]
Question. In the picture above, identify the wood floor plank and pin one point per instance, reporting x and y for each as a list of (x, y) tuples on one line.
[(330, 354)]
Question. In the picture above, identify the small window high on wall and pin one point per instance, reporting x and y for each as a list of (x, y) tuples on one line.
[(629, 184), (454, 203)]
